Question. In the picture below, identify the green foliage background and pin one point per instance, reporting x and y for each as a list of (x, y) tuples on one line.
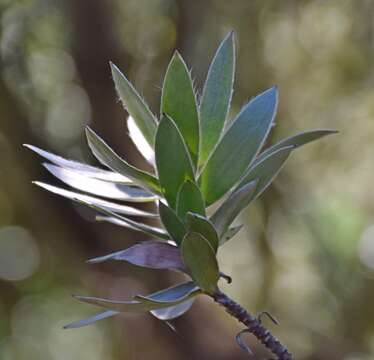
[(307, 250)]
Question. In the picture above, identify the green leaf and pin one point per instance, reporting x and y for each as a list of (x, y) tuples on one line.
[(173, 225), (216, 98), (229, 234), (199, 224), (179, 102), (296, 141), (232, 206), (189, 200), (199, 257), (99, 187), (266, 170), (172, 160), (117, 208), (162, 299), (135, 105), (239, 146), (110, 159)]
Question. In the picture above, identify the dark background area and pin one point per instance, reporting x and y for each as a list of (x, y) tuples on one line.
[(307, 250)]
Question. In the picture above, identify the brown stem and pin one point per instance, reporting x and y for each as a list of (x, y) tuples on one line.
[(254, 326)]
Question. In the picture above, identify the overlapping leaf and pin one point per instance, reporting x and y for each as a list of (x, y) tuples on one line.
[(162, 299), (179, 102), (99, 187), (239, 145), (200, 259), (110, 159), (135, 105), (190, 199), (172, 160), (216, 97), (173, 225)]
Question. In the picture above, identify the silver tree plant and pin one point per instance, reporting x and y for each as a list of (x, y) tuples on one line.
[(199, 159)]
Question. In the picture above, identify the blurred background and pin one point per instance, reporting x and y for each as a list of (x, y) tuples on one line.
[(307, 250)]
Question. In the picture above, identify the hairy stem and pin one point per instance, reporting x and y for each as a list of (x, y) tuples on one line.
[(254, 326)]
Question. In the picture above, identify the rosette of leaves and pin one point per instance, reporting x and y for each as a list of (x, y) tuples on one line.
[(200, 158)]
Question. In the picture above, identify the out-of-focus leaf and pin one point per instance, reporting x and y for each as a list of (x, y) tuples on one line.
[(232, 206), (149, 254), (296, 141), (131, 224), (110, 159), (200, 259), (92, 319), (162, 299), (100, 187), (216, 98), (199, 224), (239, 145), (190, 199), (173, 312), (140, 141), (135, 105), (172, 160), (229, 234), (83, 169), (173, 225), (179, 102), (118, 208)]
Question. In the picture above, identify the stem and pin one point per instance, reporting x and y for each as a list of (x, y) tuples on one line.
[(254, 326)]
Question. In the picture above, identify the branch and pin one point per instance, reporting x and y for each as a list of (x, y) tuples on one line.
[(253, 325)]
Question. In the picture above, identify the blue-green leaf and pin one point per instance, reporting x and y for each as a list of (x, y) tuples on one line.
[(172, 159), (162, 299), (201, 225), (190, 199), (92, 319), (239, 146), (296, 141), (173, 312), (173, 225), (110, 159), (229, 234), (135, 105), (179, 102), (216, 98), (199, 257)]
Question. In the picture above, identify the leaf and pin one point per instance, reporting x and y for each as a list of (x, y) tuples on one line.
[(190, 200), (179, 102), (173, 225), (131, 224), (173, 312), (239, 146), (296, 141), (172, 160), (229, 234), (232, 206), (199, 257), (135, 105), (92, 319), (83, 169), (263, 173), (148, 254), (199, 224), (110, 159), (216, 98), (140, 142), (121, 209), (99, 187), (162, 299)]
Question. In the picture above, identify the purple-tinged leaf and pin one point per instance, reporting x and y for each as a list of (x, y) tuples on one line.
[(149, 254), (99, 187)]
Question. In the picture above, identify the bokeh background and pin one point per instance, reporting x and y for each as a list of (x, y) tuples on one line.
[(307, 250)]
